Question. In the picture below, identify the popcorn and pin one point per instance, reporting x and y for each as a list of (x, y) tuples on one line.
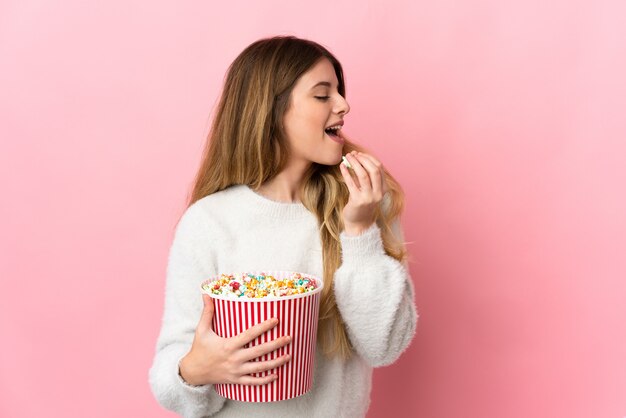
[(345, 162), (247, 285)]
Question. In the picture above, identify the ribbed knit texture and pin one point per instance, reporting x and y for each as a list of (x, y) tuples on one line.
[(239, 230)]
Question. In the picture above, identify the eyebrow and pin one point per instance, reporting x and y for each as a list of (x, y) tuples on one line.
[(322, 83)]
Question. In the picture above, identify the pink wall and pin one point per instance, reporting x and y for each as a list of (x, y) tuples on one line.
[(504, 121)]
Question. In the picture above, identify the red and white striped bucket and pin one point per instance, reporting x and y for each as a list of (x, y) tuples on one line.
[(297, 317)]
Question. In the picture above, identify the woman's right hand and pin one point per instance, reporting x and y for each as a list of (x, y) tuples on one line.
[(213, 359)]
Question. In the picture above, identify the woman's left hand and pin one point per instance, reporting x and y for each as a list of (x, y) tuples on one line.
[(366, 191)]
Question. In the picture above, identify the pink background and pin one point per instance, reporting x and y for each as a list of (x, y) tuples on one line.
[(503, 120)]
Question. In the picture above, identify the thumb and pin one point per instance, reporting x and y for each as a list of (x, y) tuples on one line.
[(206, 320)]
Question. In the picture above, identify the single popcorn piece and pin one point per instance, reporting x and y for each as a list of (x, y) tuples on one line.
[(345, 162), (260, 286)]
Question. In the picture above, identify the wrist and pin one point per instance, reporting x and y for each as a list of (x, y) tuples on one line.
[(185, 371), (355, 229)]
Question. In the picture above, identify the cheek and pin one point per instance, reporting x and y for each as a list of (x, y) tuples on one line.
[(312, 119), (307, 122)]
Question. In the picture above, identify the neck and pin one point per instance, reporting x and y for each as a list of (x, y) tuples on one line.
[(285, 186)]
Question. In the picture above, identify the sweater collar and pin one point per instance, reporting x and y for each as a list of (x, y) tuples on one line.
[(274, 208)]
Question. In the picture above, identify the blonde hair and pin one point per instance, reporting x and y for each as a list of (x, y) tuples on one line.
[(245, 145)]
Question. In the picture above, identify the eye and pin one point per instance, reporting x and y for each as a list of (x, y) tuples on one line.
[(322, 98)]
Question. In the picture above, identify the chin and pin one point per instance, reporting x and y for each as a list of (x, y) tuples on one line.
[(332, 161)]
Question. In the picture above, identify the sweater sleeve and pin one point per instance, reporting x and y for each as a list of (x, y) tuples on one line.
[(375, 296), (189, 263)]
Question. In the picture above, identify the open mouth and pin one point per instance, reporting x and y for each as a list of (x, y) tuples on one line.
[(332, 132)]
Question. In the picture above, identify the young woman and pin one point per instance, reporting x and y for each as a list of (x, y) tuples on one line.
[(271, 194)]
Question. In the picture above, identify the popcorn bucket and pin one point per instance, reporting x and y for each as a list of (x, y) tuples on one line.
[(297, 317)]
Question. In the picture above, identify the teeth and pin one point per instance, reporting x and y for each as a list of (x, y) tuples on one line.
[(334, 127)]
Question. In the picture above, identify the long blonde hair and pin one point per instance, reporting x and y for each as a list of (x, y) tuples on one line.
[(245, 145)]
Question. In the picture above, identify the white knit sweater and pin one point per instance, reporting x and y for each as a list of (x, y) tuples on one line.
[(239, 230)]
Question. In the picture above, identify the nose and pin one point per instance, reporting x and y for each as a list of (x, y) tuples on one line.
[(342, 106)]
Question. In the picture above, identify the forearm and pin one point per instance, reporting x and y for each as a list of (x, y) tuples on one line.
[(375, 296), (173, 393)]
